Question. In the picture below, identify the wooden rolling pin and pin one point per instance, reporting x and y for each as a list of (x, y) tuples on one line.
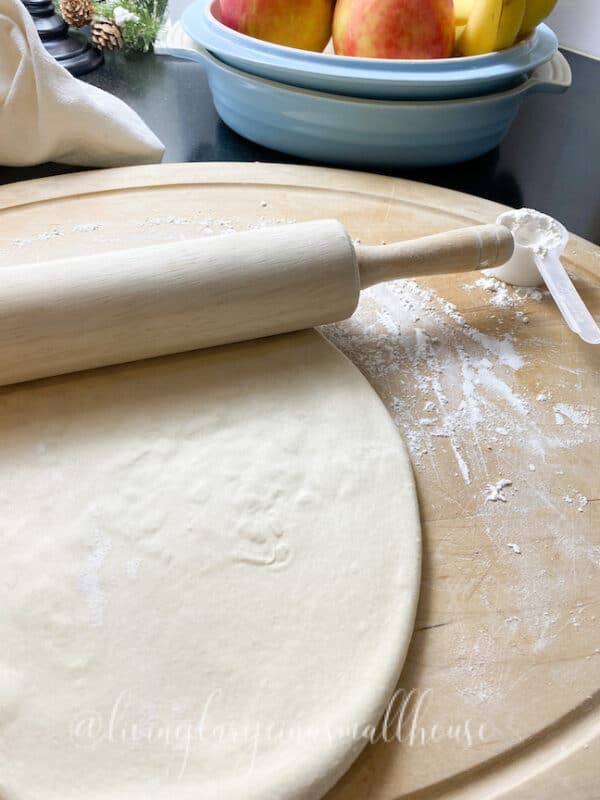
[(73, 314)]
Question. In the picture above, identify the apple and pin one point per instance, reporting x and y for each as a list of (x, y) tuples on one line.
[(394, 28), (305, 24)]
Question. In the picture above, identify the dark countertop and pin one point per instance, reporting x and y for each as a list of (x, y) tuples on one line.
[(550, 159)]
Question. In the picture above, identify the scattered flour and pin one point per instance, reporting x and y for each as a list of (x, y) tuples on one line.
[(504, 295), (211, 225), (40, 237), (580, 500), (468, 380), (577, 416), (496, 490), (463, 375), (87, 227), (170, 220), (546, 624), (530, 293), (501, 295)]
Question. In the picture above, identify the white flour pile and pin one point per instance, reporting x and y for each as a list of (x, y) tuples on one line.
[(504, 296), (532, 229)]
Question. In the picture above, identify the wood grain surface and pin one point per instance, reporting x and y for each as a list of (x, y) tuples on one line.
[(500, 693)]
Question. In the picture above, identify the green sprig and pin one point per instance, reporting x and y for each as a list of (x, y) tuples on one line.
[(137, 36), (140, 35)]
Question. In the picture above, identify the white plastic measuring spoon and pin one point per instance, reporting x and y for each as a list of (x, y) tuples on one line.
[(539, 243)]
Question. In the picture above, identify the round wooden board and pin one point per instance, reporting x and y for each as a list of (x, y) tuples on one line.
[(500, 693)]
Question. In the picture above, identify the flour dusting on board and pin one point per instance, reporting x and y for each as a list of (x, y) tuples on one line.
[(402, 327), (39, 237), (578, 416), (86, 227), (495, 491), (504, 296), (460, 385), (211, 224), (197, 224), (470, 393)]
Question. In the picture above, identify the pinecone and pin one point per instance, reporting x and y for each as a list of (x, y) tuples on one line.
[(106, 34), (77, 12)]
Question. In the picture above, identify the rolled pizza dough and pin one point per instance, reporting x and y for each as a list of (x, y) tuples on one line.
[(209, 573)]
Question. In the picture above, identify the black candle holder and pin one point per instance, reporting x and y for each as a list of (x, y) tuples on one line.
[(72, 50)]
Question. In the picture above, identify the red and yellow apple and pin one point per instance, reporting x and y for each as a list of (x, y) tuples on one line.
[(305, 24), (394, 28)]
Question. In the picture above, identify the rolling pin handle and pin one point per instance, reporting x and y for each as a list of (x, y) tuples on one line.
[(461, 250)]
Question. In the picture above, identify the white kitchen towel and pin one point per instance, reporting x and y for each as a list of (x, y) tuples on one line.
[(48, 115)]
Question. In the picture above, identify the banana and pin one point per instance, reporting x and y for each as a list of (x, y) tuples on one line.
[(481, 31), (462, 11), (535, 12), (511, 20), (458, 32)]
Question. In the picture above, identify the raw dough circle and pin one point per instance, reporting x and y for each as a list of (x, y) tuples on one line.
[(209, 574)]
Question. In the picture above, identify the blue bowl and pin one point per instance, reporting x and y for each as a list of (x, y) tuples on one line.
[(372, 133), (392, 79)]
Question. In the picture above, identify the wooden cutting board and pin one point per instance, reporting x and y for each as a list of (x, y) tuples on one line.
[(500, 693)]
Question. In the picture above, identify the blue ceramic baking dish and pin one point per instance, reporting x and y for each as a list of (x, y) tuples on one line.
[(444, 78), (370, 133)]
